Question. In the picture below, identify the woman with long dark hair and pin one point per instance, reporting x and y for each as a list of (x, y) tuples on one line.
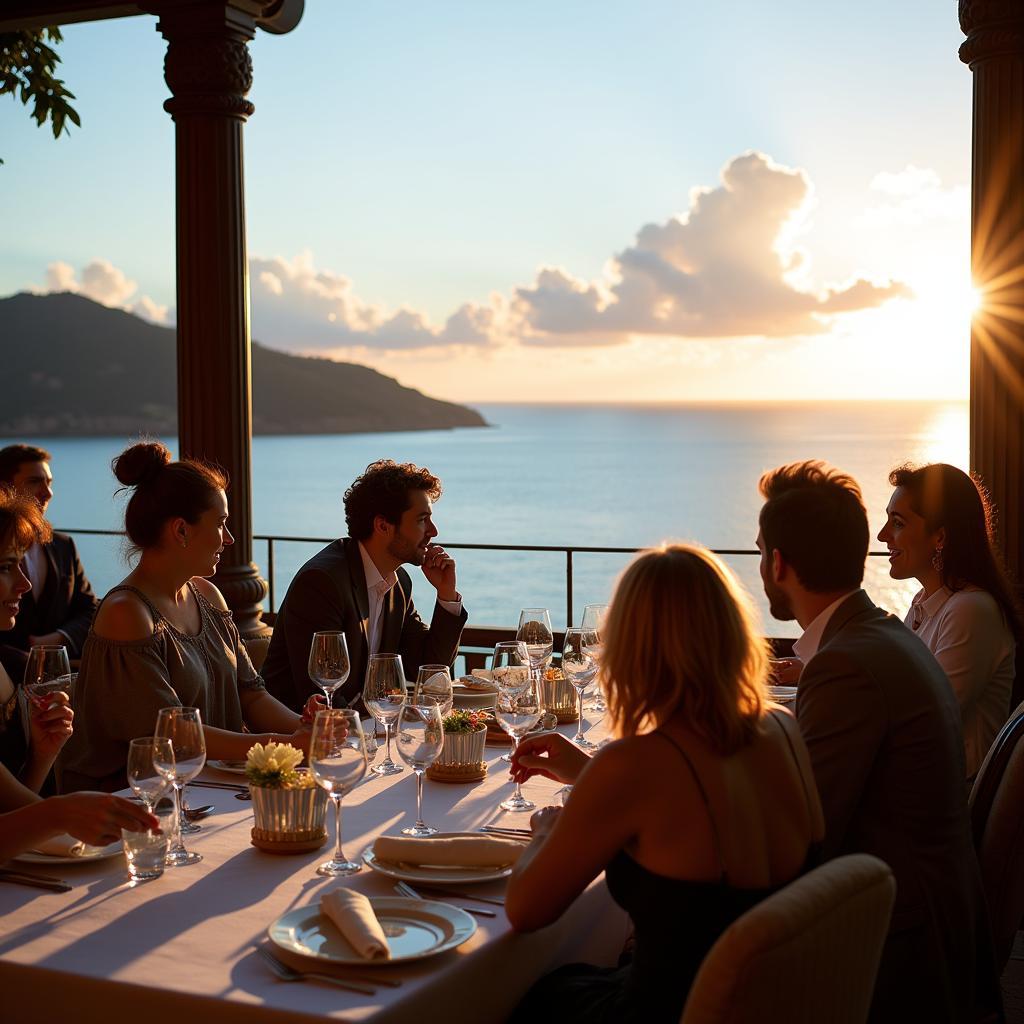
[(164, 636), (939, 531)]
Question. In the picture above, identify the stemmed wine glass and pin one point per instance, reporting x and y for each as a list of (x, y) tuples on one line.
[(435, 682), (328, 662), (183, 727), (384, 695), (518, 705), (580, 667), (593, 619), (148, 783), (337, 759), (420, 739), (535, 632), (47, 671)]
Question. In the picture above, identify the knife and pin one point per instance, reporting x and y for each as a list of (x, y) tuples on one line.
[(35, 881)]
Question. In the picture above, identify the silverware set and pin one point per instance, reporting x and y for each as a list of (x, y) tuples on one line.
[(241, 792), (34, 881), (523, 834), (365, 986), (407, 890)]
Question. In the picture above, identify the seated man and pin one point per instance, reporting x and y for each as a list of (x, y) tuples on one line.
[(60, 606), (356, 585), (883, 730)]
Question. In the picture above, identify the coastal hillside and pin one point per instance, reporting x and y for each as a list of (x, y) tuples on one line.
[(75, 368)]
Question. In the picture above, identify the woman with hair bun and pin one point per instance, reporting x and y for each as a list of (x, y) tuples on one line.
[(164, 636), (939, 531)]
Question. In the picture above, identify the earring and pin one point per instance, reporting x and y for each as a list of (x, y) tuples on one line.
[(937, 560), (184, 542)]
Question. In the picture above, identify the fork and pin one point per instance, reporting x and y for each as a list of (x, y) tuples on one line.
[(407, 890), (286, 973)]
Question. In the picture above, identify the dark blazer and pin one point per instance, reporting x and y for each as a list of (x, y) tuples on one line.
[(329, 592), (67, 602), (882, 727)]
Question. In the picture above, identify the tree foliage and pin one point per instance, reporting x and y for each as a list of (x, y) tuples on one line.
[(27, 66)]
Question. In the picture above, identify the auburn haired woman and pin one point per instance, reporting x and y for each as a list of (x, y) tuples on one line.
[(704, 805), (164, 636)]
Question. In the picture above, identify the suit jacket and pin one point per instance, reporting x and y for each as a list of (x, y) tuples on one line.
[(882, 727), (329, 592), (66, 603)]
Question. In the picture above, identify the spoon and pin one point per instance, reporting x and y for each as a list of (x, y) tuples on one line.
[(195, 813)]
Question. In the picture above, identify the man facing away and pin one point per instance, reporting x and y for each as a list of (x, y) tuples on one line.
[(357, 585), (882, 727), (60, 606)]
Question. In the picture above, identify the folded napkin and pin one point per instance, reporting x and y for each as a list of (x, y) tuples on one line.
[(352, 914), (455, 851), (479, 679), (66, 846)]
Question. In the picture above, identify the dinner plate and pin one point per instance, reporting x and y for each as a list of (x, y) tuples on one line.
[(92, 853), (436, 875), (414, 929), (782, 694), (232, 767)]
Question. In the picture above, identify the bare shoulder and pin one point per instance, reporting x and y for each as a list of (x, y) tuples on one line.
[(124, 616), (625, 761), (210, 592)]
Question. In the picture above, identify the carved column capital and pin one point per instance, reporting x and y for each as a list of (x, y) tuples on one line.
[(993, 28)]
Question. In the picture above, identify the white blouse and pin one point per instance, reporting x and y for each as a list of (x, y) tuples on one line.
[(971, 640)]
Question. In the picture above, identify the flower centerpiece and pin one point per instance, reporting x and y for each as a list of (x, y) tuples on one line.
[(287, 804), (462, 756)]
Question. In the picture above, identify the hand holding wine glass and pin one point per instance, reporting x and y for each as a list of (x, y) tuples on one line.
[(184, 728), (329, 662), (337, 759), (384, 694), (420, 740)]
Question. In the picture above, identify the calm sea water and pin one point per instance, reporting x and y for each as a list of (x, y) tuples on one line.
[(623, 476)]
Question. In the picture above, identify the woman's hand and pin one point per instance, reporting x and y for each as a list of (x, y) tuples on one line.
[(318, 702), (786, 671), (50, 725), (543, 820), (550, 755), (97, 818)]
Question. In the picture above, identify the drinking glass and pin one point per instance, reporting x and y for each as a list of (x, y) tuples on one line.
[(328, 662), (146, 853), (593, 619), (420, 739), (518, 702), (146, 781), (435, 682), (384, 695), (46, 671), (337, 759), (535, 632), (184, 728), (579, 665)]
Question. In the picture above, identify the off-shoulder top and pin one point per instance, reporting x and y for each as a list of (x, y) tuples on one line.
[(123, 684)]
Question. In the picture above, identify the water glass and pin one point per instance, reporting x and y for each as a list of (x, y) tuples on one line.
[(435, 683), (146, 781), (184, 728), (579, 665), (518, 707), (328, 662), (145, 852), (420, 740), (337, 759), (384, 694)]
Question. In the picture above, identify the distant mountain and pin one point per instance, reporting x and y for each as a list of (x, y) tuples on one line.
[(74, 367)]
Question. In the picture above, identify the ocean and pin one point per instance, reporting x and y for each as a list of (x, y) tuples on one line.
[(603, 476)]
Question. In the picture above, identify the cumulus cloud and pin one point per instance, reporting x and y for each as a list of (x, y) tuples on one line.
[(914, 196), (102, 282)]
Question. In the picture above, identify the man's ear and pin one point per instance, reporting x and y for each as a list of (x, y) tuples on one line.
[(779, 568), (381, 527)]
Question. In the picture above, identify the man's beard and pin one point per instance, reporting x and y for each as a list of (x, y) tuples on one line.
[(407, 553), (778, 602)]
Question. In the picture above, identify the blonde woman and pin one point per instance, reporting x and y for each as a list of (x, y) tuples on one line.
[(703, 806)]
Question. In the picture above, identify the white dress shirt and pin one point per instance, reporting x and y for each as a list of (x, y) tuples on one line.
[(971, 640), (807, 646)]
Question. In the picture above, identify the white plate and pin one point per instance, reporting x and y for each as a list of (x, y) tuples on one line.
[(784, 695), (95, 853), (414, 929), (435, 875), (231, 767)]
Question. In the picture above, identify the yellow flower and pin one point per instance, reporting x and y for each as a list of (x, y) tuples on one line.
[(273, 759)]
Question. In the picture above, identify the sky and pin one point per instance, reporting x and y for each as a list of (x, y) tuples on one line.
[(657, 201)]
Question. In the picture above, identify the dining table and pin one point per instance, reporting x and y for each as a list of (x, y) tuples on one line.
[(186, 947)]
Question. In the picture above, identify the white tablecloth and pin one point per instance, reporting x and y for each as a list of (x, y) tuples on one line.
[(181, 948)]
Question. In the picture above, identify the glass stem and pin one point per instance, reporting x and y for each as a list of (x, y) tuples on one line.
[(338, 855), (579, 709), (515, 747), (419, 797), (387, 741), (177, 845), (330, 698)]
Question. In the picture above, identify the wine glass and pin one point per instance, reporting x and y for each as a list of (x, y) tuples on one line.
[(146, 781), (328, 662), (184, 728), (435, 682), (420, 739), (384, 695), (579, 665), (518, 703), (535, 632), (47, 671), (594, 616), (337, 759)]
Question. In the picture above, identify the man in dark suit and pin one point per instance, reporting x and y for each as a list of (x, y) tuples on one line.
[(60, 606), (357, 585), (882, 726)]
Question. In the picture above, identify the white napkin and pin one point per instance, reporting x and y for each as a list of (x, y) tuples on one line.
[(480, 679), (65, 846), (454, 851), (352, 914)]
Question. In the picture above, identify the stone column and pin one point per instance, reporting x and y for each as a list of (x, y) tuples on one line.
[(994, 51), (209, 71)]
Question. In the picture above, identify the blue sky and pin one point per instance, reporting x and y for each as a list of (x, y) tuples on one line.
[(437, 155)]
